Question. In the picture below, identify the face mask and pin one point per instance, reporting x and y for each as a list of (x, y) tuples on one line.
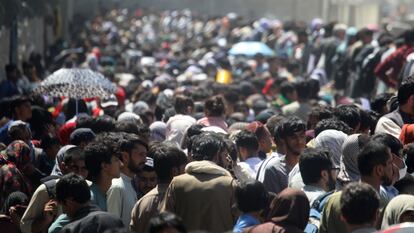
[(402, 172)]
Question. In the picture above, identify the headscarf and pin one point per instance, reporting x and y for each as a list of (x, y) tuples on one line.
[(17, 153), (407, 134), (290, 209), (332, 140), (349, 171), (15, 198), (395, 208), (59, 159), (158, 130)]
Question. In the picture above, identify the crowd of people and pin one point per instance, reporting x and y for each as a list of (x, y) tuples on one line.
[(318, 137)]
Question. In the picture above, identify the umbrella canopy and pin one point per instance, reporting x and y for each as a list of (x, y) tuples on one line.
[(76, 83), (251, 48)]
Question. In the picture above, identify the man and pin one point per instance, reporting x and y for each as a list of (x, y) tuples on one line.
[(318, 173), (169, 161), (357, 219), (301, 107), (146, 179), (9, 86), (73, 193), (392, 122), (247, 145), (121, 196), (103, 163), (81, 137), (203, 196), (375, 165), (274, 171), (178, 124), (19, 109), (350, 115), (42, 209)]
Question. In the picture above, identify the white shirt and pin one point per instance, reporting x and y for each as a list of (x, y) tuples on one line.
[(121, 198), (312, 193), (249, 167)]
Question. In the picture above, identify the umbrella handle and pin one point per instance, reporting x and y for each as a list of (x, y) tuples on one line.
[(76, 107)]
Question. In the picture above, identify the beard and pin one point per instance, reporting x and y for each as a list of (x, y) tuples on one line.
[(135, 168), (386, 181), (331, 183)]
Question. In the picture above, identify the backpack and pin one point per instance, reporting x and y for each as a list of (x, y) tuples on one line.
[(315, 213), (50, 183)]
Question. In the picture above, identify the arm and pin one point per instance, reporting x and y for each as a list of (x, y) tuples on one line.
[(114, 200)]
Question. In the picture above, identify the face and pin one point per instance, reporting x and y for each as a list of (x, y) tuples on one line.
[(388, 171), (147, 180), (333, 174), (295, 143), (78, 167), (137, 158), (113, 169), (24, 111), (266, 142)]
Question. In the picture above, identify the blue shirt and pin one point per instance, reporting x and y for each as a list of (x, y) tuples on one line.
[(98, 197), (59, 223), (8, 89), (244, 221)]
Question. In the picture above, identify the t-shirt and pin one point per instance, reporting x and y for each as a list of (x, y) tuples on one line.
[(98, 197), (244, 221), (274, 173)]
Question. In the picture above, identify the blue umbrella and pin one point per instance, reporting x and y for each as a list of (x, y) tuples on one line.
[(251, 48)]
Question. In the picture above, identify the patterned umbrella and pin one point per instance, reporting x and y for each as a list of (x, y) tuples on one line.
[(76, 83)]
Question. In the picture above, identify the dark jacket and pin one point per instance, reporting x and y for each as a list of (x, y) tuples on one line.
[(91, 219)]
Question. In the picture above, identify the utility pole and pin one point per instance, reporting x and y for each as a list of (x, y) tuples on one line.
[(13, 41)]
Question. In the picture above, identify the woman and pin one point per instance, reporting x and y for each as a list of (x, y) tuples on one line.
[(12, 212), (214, 109), (400, 209), (332, 140), (289, 213)]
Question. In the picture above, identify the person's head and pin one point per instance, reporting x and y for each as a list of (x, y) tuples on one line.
[(396, 147), (208, 146), (74, 161), (291, 134), (17, 153), (365, 35), (332, 123), (81, 137), (50, 145), (102, 159), (375, 162), (288, 91), (317, 114), (399, 210), (331, 140), (408, 152), (214, 106), (251, 197), (405, 95), (262, 134), (72, 192), (291, 208), (316, 168), (359, 205), (272, 123), (409, 37), (19, 130), (166, 222), (302, 90), (379, 103), (133, 152), (146, 178), (12, 72), (247, 144), (348, 114), (169, 161), (21, 108), (183, 105), (405, 185), (18, 200)]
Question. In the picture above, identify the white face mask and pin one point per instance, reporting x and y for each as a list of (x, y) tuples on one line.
[(402, 172)]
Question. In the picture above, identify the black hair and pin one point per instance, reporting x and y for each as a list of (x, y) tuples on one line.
[(390, 141), (128, 141), (286, 87), (72, 154), (353, 197), (273, 122), (302, 89), (10, 68), (166, 220), (206, 146), (409, 36), (379, 102), (248, 140), (409, 153), (127, 127), (98, 152), (332, 123), (214, 106), (288, 127), (348, 114), (372, 155), (405, 90), (48, 141), (15, 132), (166, 156), (191, 131), (405, 185), (312, 162), (73, 186), (251, 196), (181, 104), (103, 123)]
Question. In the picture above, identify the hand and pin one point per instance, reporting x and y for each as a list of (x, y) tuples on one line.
[(14, 216), (50, 211)]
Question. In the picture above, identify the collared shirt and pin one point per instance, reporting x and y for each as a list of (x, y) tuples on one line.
[(98, 197), (121, 198), (312, 192), (146, 208)]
